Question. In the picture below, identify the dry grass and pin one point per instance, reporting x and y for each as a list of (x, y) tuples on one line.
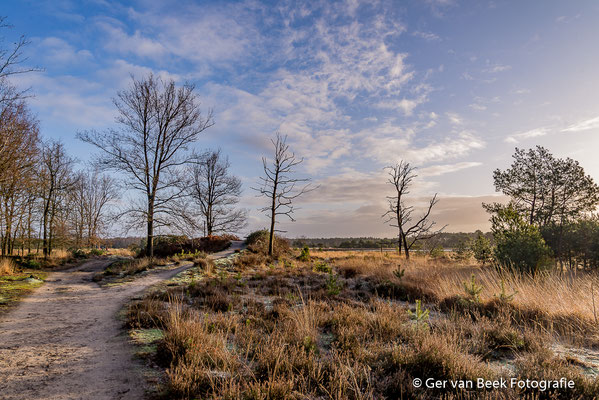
[(7, 266), (126, 269), (553, 294), (121, 252), (275, 331)]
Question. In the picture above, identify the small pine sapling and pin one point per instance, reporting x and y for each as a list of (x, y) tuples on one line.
[(333, 285), (399, 272), (503, 296), (473, 290), (305, 254), (420, 316)]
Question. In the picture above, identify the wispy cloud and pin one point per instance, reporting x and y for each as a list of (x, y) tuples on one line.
[(454, 118), (583, 125), (429, 36), (498, 68), (436, 170), (478, 107), (537, 132)]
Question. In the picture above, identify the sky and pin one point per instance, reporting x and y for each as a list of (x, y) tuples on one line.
[(450, 86)]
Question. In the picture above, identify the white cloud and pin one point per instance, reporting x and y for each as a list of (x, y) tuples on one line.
[(436, 170), (428, 36), (58, 51), (583, 125), (137, 43), (454, 118), (537, 132), (478, 107), (498, 68)]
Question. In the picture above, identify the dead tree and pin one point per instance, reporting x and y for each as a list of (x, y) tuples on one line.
[(158, 123), (400, 176), (399, 215), (279, 186), (216, 192)]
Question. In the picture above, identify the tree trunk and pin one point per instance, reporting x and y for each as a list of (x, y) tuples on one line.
[(405, 246), (399, 242), (45, 236), (150, 236), (273, 214), (271, 239)]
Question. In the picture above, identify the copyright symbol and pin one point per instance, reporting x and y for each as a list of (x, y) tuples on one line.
[(417, 382)]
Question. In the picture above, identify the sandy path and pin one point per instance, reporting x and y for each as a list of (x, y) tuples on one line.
[(65, 342)]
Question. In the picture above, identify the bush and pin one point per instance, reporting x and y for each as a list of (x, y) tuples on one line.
[(96, 252), (30, 263), (519, 245), (462, 252), (305, 254), (78, 253), (170, 245), (481, 249), (258, 243)]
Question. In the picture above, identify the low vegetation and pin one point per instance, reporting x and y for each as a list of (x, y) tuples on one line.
[(16, 282), (349, 325)]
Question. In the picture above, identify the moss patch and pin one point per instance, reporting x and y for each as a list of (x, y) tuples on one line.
[(16, 286)]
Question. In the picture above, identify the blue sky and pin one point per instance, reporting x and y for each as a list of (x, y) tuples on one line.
[(450, 86)]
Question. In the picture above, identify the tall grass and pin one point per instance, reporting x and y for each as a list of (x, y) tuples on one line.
[(553, 293), (7, 266)]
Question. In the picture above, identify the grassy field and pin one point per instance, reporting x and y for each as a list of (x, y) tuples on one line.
[(346, 325)]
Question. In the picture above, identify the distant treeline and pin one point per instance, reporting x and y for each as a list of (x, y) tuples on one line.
[(445, 239), (123, 242)]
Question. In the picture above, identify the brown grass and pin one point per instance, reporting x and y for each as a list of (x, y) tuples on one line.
[(121, 252), (7, 266), (274, 331)]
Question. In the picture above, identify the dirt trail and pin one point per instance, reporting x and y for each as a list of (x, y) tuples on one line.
[(65, 342)]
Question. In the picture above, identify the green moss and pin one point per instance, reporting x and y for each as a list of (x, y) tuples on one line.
[(146, 341), (14, 287)]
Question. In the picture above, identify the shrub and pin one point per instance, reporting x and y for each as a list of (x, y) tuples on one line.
[(333, 285), (462, 252), (518, 245), (96, 252), (436, 252), (78, 253), (481, 249), (305, 254), (170, 245), (322, 267), (257, 242), (30, 263)]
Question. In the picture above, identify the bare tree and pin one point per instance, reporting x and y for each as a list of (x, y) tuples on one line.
[(279, 186), (11, 59), (91, 197), (19, 144), (399, 215), (158, 123), (55, 179), (216, 192)]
